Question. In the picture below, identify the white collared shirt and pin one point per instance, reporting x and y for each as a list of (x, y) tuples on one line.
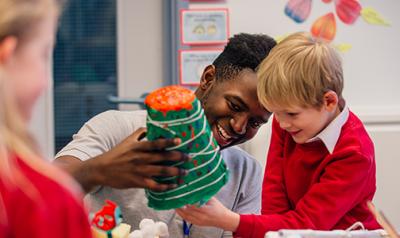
[(330, 135)]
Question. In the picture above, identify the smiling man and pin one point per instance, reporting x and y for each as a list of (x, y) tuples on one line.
[(107, 154), (231, 106)]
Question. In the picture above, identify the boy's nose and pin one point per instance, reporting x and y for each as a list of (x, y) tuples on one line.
[(284, 124)]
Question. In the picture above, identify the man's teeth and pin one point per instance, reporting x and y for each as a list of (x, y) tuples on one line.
[(223, 133)]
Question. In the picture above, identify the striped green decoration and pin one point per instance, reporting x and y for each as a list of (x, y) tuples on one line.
[(207, 170)]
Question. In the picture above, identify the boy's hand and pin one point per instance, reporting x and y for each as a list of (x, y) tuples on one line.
[(213, 213)]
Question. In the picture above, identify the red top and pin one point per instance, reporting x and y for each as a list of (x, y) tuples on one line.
[(57, 214), (170, 98), (305, 187)]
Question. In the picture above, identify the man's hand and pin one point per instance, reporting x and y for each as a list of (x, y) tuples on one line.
[(213, 213), (132, 163)]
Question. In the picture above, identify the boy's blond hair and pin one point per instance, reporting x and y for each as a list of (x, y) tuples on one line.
[(298, 72)]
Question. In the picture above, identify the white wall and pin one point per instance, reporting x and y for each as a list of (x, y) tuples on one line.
[(140, 48), (386, 139)]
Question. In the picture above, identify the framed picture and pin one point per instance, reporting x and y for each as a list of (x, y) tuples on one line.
[(204, 26), (193, 62)]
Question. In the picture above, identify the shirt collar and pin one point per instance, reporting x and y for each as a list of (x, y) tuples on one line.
[(330, 135)]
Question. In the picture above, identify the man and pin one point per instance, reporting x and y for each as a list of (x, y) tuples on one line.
[(99, 154)]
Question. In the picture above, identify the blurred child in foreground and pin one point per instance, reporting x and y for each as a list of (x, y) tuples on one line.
[(36, 199)]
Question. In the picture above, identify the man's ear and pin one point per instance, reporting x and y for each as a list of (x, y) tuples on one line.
[(331, 101), (208, 77), (7, 48)]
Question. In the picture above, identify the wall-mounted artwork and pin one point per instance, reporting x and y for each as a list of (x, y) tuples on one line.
[(325, 26), (204, 26), (193, 62)]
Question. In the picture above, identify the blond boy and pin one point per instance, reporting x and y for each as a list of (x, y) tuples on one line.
[(320, 166)]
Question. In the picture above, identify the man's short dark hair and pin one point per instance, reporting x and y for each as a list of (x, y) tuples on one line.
[(243, 51)]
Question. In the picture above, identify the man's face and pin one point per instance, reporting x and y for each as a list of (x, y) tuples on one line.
[(232, 108)]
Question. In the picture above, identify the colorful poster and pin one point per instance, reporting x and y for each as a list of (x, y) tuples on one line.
[(193, 62), (204, 26)]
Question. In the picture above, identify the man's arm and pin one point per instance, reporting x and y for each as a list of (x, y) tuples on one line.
[(79, 170), (126, 164)]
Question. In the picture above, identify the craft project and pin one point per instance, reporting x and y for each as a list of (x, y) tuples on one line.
[(284, 233), (107, 222), (174, 111), (150, 229)]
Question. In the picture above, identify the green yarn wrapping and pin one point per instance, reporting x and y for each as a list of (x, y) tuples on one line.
[(207, 170)]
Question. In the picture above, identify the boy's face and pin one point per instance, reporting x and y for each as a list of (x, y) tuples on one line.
[(303, 123), (232, 108)]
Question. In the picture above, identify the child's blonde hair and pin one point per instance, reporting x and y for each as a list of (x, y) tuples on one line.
[(19, 19), (298, 72)]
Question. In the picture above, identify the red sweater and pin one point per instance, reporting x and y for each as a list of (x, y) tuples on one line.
[(306, 187), (58, 214)]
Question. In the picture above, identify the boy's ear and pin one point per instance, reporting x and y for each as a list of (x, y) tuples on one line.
[(331, 101), (208, 77), (7, 48)]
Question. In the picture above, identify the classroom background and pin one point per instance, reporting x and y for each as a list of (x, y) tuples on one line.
[(110, 53)]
